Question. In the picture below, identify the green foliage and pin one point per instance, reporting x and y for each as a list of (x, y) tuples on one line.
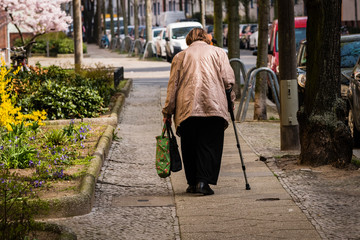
[(64, 94), (356, 162), (15, 151), (58, 42), (55, 137), (61, 101), (66, 46), (15, 213)]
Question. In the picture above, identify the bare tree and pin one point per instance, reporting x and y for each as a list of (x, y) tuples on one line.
[(126, 32), (98, 21), (104, 15), (276, 3), (136, 19), (148, 21), (262, 54), (111, 11), (233, 40), (324, 137), (218, 27), (246, 3), (356, 13), (77, 35), (118, 13)]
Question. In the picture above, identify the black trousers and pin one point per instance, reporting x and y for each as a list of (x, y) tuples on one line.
[(202, 141)]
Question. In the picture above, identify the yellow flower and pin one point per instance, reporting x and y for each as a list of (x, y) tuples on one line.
[(9, 114)]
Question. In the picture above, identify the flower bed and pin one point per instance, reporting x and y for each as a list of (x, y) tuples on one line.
[(52, 169)]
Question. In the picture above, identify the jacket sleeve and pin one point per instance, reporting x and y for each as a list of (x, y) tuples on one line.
[(169, 108), (227, 74)]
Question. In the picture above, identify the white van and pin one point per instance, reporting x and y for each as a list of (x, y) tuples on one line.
[(170, 17), (176, 37)]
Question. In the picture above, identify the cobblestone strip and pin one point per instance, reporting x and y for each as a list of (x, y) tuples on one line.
[(131, 201), (331, 204)]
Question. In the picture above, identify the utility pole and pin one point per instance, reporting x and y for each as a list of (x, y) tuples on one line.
[(288, 85), (78, 42)]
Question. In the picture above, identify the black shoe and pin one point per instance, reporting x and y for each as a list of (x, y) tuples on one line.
[(204, 188), (191, 189)]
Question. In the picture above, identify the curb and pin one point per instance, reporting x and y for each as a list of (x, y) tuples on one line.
[(81, 203)]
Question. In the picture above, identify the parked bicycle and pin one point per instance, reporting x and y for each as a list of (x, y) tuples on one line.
[(18, 58)]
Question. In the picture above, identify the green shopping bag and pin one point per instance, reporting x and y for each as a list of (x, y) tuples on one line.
[(162, 162)]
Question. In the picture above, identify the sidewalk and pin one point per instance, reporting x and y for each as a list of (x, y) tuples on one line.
[(266, 211), (286, 202)]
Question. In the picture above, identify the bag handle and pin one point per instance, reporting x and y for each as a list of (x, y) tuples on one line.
[(169, 129), (163, 131)]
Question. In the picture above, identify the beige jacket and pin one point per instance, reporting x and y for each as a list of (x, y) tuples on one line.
[(198, 78)]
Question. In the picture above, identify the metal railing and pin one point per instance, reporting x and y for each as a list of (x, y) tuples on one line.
[(249, 88)]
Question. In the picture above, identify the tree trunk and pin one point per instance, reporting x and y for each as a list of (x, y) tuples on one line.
[(104, 16), (180, 5), (202, 10), (218, 27), (98, 21), (261, 61), (136, 19), (289, 130), (126, 32), (356, 14), (324, 137), (276, 14), (118, 14), (148, 21), (246, 3), (233, 41), (77, 35), (111, 11)]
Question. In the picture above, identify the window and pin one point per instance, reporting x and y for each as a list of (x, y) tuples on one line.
[(252, 4), (174, 8), (170, 9), (132, 10), (158, 8), (141, 12), (154, 8)]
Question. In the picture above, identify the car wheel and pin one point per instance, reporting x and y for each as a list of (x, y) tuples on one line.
[(354, 132)]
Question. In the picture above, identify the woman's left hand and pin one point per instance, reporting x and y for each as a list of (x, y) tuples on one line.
[(167, 120)]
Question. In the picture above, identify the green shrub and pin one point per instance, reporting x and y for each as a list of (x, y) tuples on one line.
[(58, 43), (64, 94), (62, 101), (66, 46)]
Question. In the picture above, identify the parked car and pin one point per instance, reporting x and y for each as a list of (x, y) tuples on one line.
[(160, 43), (349, 51), (175, 37), (245, 31), (300, 34), (253, 40)]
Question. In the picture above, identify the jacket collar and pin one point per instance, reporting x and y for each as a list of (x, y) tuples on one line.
[(198, 43)]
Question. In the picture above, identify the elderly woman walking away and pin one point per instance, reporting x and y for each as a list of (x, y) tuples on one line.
[(196, 97)]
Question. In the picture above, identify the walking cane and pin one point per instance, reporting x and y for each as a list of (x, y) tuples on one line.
[(230, 108)]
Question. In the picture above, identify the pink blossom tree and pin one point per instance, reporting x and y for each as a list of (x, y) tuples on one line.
[(37, 16)]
